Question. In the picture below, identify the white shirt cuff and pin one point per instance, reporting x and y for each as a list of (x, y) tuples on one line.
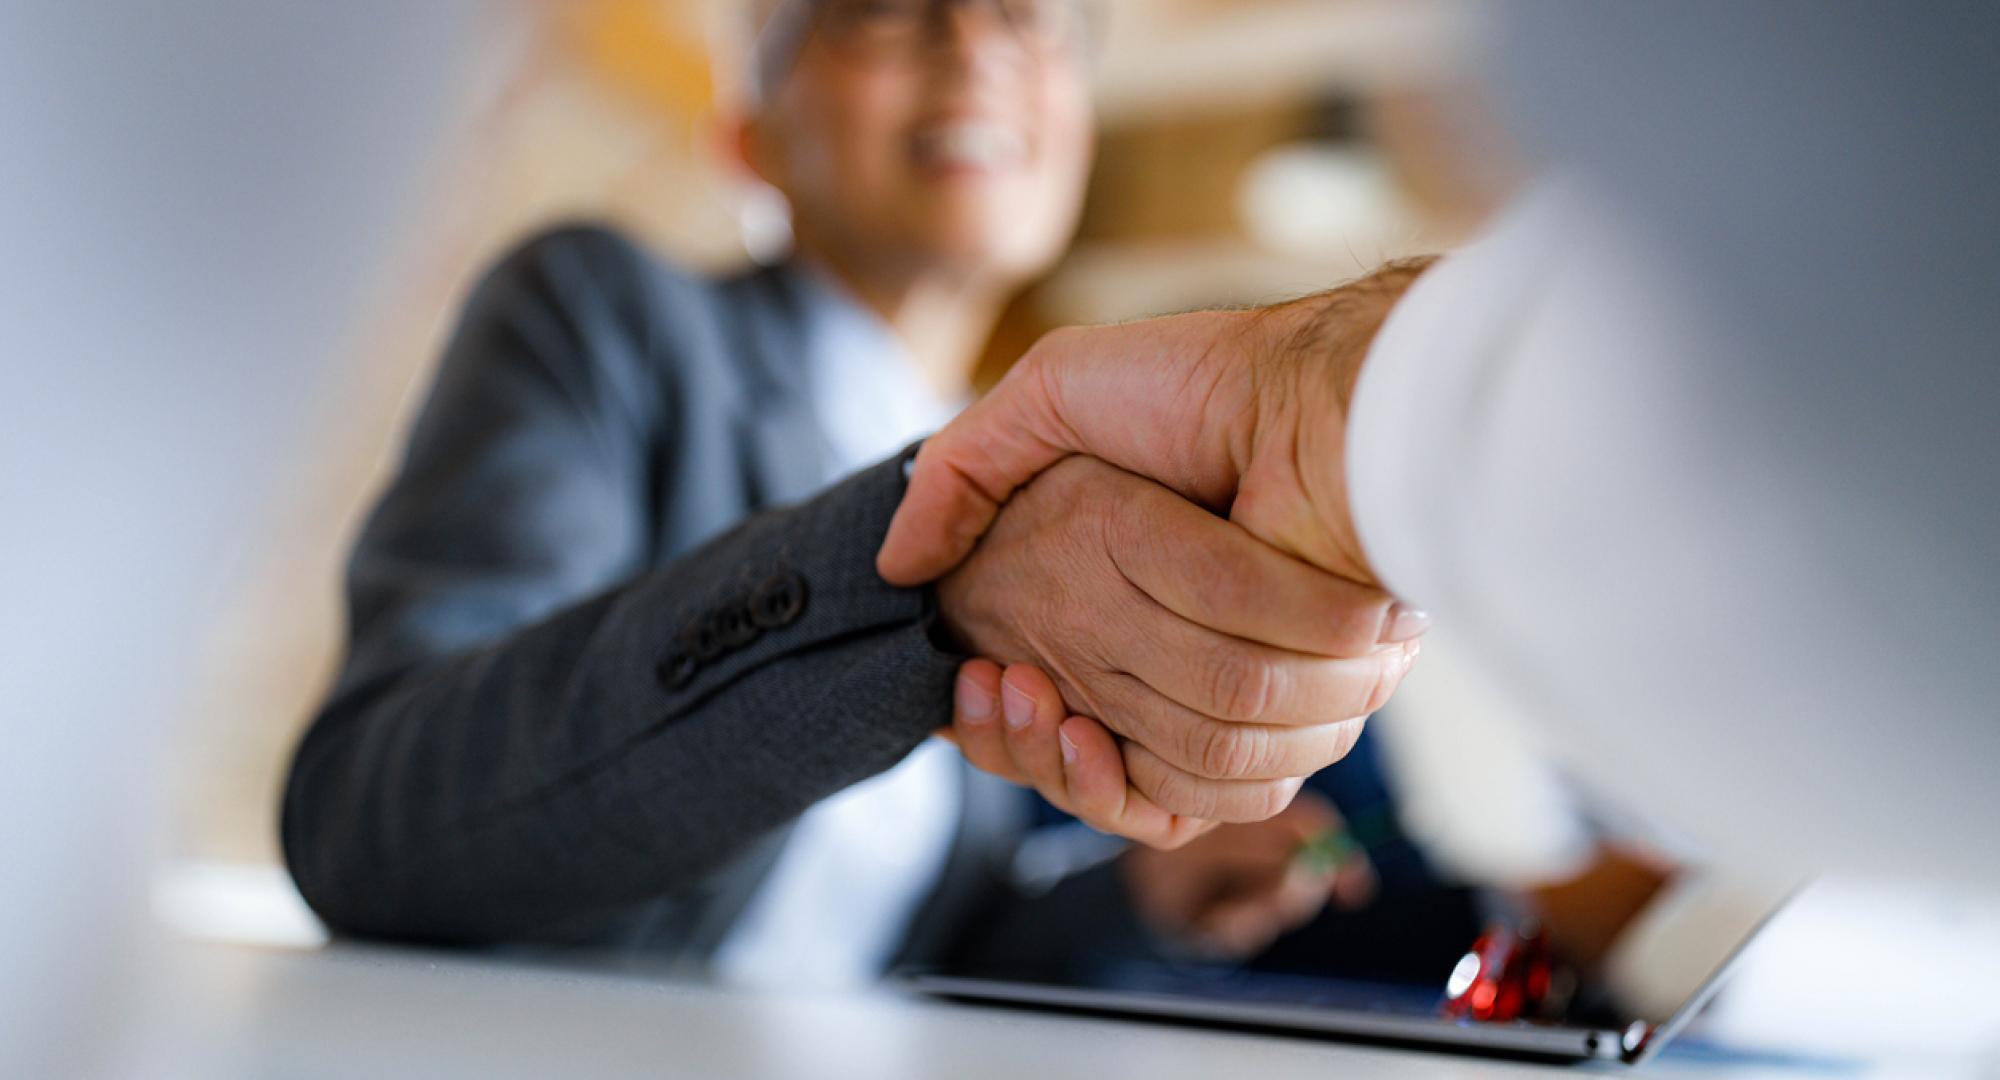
[(1414, 424)]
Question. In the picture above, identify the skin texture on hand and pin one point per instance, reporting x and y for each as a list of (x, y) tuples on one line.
[(1239, 411), (1236, 411), (1072, 761), (1229, 669)]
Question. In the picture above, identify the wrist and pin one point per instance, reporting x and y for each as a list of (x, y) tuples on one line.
[(950, 607), (1321, 343)]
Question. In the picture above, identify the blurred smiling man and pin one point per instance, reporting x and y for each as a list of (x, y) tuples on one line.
[(931, 173), (621, 670)]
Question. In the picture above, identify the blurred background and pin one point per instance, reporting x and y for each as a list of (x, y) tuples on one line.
[(1250, 151)]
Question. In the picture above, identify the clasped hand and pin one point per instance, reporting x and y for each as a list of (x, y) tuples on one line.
[(1231, 670), (1166, 667)]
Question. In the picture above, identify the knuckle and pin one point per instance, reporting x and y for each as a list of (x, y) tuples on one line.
[(1178, 793), (1229, 751), (1237, 751), (1239, 686)]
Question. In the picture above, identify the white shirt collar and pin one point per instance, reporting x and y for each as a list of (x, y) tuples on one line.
[(869, 393)]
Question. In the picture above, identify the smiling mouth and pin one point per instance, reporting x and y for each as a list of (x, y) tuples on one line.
[(973, 145)]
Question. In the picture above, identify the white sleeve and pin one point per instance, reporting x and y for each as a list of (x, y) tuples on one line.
[(1422, 388), (1632, 518)]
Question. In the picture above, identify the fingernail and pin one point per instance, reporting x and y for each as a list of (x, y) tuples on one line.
[(1403, 623), (1020, 710), (974, 703), (1068, 747)]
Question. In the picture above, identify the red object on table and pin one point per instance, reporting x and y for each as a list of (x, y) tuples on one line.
[(1505, 975)]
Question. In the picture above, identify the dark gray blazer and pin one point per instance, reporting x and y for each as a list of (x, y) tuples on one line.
[(591, 677)]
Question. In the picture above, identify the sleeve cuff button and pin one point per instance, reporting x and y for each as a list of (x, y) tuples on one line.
[(778, 600)]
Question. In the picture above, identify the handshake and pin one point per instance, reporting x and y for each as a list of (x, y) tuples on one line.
[(1073, 523)]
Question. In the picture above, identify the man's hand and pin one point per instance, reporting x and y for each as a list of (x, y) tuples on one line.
[(1224, 890), (1013, 724), (1232, 892), (1231, 670), (1243, 412)]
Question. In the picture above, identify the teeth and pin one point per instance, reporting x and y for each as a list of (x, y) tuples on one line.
[(980, 145)]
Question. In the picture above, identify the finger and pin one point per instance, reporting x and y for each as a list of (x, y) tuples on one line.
[(1183, 793), (962, 474), (1304, 890), (1031, 711), (1247, 683), (1100, 796), (1214, 573), (1242, 925), (1351, 883), (1277, 897), (1186, 375), (976, 725), (1203, 746), (1355, 883)]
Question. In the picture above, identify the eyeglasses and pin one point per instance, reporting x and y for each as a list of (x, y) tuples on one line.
[(869, 30)]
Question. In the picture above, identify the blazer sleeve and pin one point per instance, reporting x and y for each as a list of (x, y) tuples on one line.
[(535, 725)]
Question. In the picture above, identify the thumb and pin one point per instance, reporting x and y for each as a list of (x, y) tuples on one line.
[(1162, 398), (964, 473)]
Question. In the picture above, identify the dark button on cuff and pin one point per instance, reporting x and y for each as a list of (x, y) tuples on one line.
[(678, 670), (734, 628), (778, 600), (703, 641)]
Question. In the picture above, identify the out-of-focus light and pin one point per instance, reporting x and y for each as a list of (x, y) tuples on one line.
[(1308, 198), (1462, 975), (237, 903)]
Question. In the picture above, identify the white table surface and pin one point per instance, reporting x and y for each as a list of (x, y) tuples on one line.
[(230, 1011)]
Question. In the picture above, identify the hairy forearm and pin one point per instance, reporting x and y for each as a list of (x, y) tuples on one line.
[(1305, 363)]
